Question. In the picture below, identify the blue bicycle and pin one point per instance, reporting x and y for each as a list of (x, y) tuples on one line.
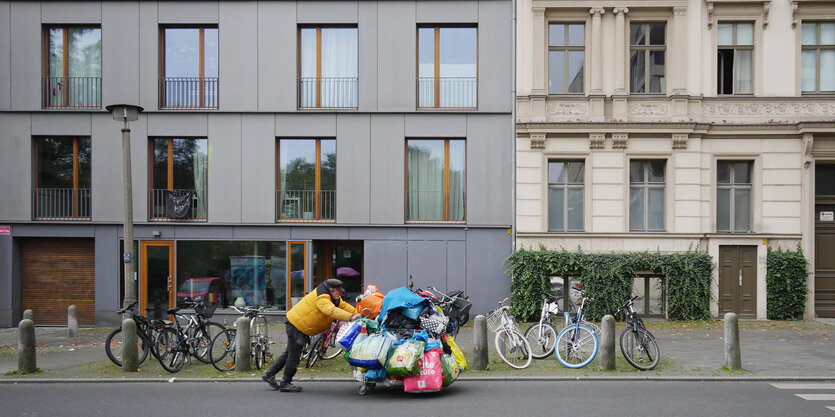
[(576, 344)]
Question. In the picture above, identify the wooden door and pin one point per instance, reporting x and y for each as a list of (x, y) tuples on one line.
[(157, 287), (738, 280), (825, 273)]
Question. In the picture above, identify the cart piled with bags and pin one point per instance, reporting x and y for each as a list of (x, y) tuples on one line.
[(408, 344)]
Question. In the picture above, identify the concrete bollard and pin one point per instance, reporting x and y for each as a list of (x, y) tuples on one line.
[(26, 361), (480, 355), (733, 356), (130, 351), (72, 322), (29, 315), (607, 343), (243, 349)]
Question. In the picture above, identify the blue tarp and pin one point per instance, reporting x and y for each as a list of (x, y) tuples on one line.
[(400, 298)]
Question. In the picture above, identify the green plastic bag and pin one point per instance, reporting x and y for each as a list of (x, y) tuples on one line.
[(450, 368), (405, 358)]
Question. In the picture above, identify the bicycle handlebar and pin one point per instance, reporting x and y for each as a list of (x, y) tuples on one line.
[(130, 307)]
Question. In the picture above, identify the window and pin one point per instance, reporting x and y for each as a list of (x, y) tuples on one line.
[(818, 57), (651, 289), (567, 300), (62, 179), (566, 56), (72, 73), (447, 67), (647, 58), (189, 68), (646, 195), (306, 179), (436, 180), (733, 196), (565, 195), (735, 59), (179, 177), (328, 67)]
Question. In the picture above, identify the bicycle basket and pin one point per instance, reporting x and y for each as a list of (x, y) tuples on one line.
[(460, 307), (205, 311), (494, 320)]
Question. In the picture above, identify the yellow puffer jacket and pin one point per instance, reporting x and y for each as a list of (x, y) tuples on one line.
[(316, 311)]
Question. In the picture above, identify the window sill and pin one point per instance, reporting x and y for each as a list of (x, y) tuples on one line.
[(436, 222)]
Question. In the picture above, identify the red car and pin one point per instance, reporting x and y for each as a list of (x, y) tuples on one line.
[(211, 289)]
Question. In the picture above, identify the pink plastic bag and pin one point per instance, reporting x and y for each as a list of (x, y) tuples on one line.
[(431, 376)]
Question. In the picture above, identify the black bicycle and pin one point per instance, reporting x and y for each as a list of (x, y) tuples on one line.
[(146, 332), (637, 344), (175, 344)]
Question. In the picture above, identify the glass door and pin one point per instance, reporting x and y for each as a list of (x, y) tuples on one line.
[(297, 271), (156, 281)]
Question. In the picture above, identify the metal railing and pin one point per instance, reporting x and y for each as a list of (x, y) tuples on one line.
[(304, 205), (178, 205), (188, 92), (71, 92), (447, 92), (61, 203), (432, 206), (328, 92)]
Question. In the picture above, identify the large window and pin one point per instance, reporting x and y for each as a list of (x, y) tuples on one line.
[(565, 195), (735, 58), (447, 67), (646, 195), (306, 179), (647, 59), (62, 179), (72, 72), (653, 299), (733, 196), (179, 178), (327, 67), (566, 57), (189, 68), (818, 57), (437, 180)]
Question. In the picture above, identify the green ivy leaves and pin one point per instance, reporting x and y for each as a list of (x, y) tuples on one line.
[(786, 288)]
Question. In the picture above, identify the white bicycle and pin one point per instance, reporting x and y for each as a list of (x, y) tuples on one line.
[(511, 344)]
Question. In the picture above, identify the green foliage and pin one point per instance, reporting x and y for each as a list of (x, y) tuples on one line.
[(608, 279), (785, 280)]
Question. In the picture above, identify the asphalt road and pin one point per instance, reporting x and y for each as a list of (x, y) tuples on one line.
[(466, 398)]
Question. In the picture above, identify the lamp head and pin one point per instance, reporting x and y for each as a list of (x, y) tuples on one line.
[(124, 112)]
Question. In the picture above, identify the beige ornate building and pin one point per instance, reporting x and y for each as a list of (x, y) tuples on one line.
[(647, 125)]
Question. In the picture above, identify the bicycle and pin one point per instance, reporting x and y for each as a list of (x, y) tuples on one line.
[(146, 331), (321, 342), (542, 336), (576, 343), (222, 348), (637, 344), (511, 345), (176, 343)]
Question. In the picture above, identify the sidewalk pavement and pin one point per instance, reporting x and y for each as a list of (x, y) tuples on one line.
[(688, 351)]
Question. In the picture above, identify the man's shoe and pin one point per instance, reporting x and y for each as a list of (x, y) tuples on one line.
[(288, 387), (270, 380)]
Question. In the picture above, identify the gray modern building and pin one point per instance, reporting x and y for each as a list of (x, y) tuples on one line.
[(281, 143)]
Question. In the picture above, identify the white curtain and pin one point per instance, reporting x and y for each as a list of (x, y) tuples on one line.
[(307, 86), (744, 71), (426, 180), (457, 179), (339, 67), (201, 174)]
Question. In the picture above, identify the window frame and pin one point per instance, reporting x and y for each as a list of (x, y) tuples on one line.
[(437, 38), (817, 47), (299, 53), (202, 105), (565, 185), (732, 185), (75, 177), (65, 98), (446, 185), (646, 185), (566, 49), (647, 277), (735, 48), (170, 177), (647, 48), (317, 182)]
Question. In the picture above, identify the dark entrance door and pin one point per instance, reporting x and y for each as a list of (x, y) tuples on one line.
[(738, 280), (825, 240), (342, 260)]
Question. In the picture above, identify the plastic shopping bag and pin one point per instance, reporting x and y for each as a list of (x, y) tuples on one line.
[(370, 352), (457, 353), (347, 333), (371, 302), (405, 358), (431, 375), (450, 368)]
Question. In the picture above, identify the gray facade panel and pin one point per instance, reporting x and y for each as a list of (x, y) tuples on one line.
[(5, 52), (436, 125), (262, 233), (178, 124), (427, 263), (177, 12), (258, 173), (53, 230), (224, 188), (367, 49), (326, 12), (487, 283), (385, 263), (107, 274), (323, 233), (396, 26), (147, 231), (447, 11), (489, 153), (388, 169), (378, 233), (26, 50), (203, 233), (149, 71), (6, 252), (495, 35), (276, 56), (420, 233), (237, 49), (353, 167), (61, 124), (74, 12), (305, 125), (15, 167), (456, 266), (120, 53)]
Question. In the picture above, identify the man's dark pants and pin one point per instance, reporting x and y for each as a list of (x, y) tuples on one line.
[(289, 360)]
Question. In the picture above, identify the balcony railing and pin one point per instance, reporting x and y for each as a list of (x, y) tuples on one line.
[(305, 205), (61, 204), (447, 92), (188, 92), (328, 92), (71, 92), (178, 205), (431, 206)]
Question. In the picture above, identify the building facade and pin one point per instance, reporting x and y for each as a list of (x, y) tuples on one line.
[(281, 143), (672, 125)]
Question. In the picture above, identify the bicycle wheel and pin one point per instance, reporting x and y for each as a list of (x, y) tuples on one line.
[(542, 337), (331, 348), (171, 349), (203, 339), (639, 348), (315, 350), (154, 329), (258, 354), (513, 348), (222, 350), (576, 346), (114, 342)]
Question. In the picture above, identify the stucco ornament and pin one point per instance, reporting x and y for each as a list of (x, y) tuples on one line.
[(649, 109), (568, 109), (769, 109)]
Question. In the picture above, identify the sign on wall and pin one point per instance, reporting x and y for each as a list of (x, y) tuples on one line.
[(827, 216), (5, 230)]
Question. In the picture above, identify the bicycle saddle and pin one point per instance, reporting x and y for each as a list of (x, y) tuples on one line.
[(172, 310)]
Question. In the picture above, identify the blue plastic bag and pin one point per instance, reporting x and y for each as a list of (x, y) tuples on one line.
[(347, 333)]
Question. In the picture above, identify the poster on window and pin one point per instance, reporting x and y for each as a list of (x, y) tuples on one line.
[(827, 216), (249, 279)]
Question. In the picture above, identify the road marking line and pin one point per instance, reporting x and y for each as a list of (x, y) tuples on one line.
[(831, 408), (791, 385), (817, 397)]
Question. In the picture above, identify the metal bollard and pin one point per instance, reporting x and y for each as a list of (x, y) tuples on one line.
[(130, 350), (733, 356), (29, 315), (26, 361), (72, 322), (607, 343), (480, 356), (243, 349)]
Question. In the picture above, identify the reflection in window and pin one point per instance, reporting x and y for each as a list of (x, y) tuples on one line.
[(62, 178), (307, 179), (565, 195), (646, 195), (818, 57), (328, 65), (190, 68), (733, 196), (179, 179), (569, 299), (73, 69), (653, 296), (566, 56), (447, 67), (436, 188), (647, 58), (735, 61)]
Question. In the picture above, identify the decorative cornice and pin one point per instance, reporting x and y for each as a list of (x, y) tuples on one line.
[(711, 3), (709, 14), (808, 143), (619, 140), (680, 141), (766, 8), (537, 141), (768, 109), (597, 140), (538, 12), (795, 7)]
